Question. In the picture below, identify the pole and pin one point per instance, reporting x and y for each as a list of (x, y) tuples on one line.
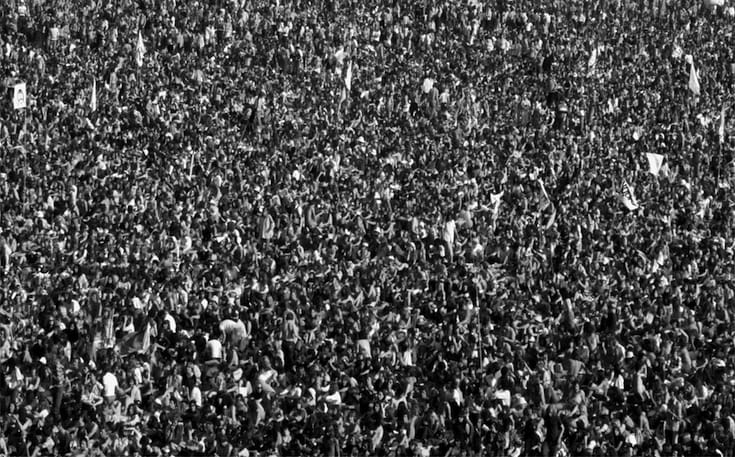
[(479, 326)]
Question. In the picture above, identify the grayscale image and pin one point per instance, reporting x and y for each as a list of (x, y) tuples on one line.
[(350, 228)]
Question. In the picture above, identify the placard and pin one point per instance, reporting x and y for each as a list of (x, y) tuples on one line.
[(19, 96)]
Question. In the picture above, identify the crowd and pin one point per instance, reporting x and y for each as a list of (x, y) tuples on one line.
[(341, 228)]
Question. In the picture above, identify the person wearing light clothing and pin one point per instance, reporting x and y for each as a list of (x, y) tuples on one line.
[(214, 348), (111, 386), (234, 331)]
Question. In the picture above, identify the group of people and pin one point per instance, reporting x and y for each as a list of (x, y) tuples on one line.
[(341, 228)]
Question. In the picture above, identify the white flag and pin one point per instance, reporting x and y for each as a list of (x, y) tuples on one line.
[(427, 85), (348, 77), (721, 130), (93, 101), (628, 197), (139, 50), (654, 163), (593, 60), (677, 52), (495, 199), (694, 81), (19, 96)]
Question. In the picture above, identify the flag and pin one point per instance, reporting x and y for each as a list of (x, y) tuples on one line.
[(552, 219), (677, 52), (139, 50), (93, 102), (19, 96), (495, 199), (703, 205), (592, 62), (654, 163), (108, 334), (348, 77), (348, 83), (659, 262), (427, 85), (628, 198), (693, 81), (721, 130), (138, 342)]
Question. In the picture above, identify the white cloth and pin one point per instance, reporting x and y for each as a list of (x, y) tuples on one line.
[(109, 381), (233, 329), (196, 396), (214, 348), (171, 322), (450, 228)]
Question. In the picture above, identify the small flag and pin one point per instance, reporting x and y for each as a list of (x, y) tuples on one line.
[(108, 334), (592, 62), (703, 205), (654, 163), (694, 81), (637, 133), (19, 96), (348, 83), (721, 130), (495, 199), (427, 85), (677, 52), (138, 342), (93, 102), (628, 198), (139, 50), (348, 77), (551, 220)]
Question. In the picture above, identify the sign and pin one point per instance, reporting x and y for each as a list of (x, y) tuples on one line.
[(19, 96)]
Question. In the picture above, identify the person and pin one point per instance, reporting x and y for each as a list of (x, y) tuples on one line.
[(111, 387)]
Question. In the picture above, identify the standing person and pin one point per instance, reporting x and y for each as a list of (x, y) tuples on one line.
[(110, 386), (290, 336), (554, 432)]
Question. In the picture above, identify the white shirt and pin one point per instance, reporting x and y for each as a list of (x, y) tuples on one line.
[(450, 228), (196, 396), (214, 347), (233, 329), (171, 322), (109, 380)]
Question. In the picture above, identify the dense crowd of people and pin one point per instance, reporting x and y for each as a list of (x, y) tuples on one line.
[(298, 227)]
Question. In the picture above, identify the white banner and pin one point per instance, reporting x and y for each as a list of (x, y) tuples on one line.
[(19, 96)]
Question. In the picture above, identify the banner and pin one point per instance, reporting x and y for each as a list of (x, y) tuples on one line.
[(628, 198), (694, 81), (721, 129), (138, 342), (427, 85), (654, 163), (93, 101), (19, 96), (592, 62), (139, 50)]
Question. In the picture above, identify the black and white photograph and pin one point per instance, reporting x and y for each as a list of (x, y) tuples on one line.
[(367, 228)]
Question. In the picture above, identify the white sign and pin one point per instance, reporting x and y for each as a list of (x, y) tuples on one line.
[(19, 96)]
